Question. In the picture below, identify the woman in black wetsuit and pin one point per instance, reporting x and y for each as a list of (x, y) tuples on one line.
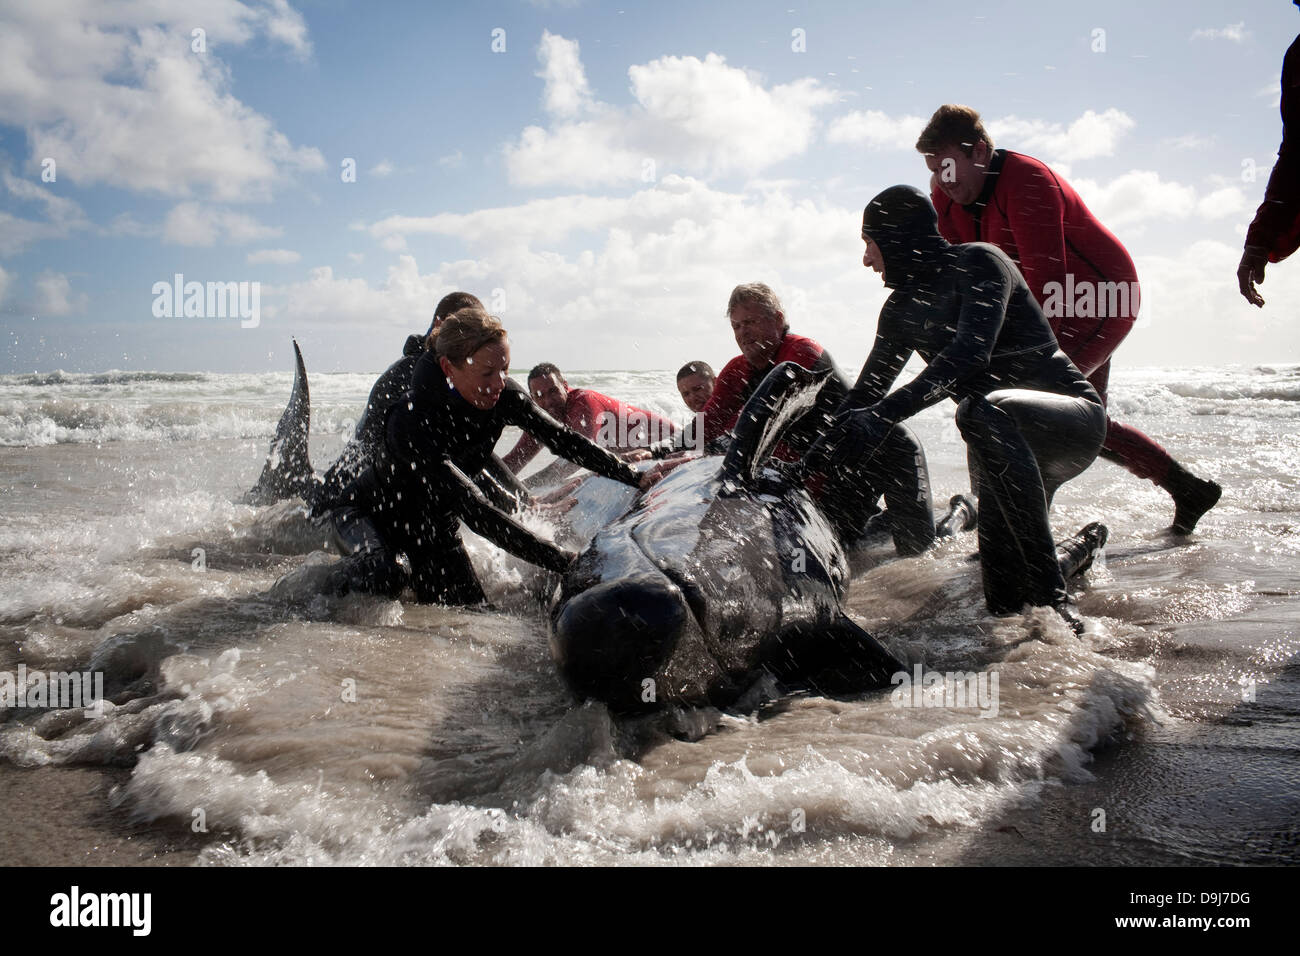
[(410, 500), (1030, 419)]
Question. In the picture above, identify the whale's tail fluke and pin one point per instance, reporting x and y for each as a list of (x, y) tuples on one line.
[(288, 472)]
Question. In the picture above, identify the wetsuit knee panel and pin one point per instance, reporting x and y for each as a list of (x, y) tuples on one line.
[(977, 417)]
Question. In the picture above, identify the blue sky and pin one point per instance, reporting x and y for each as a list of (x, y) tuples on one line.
[(602, 178)]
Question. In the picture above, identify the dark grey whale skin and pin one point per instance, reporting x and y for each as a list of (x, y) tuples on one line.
[(724, 571), (288, 472)]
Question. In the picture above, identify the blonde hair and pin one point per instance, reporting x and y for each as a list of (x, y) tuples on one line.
[(757, 294), (463, 333)]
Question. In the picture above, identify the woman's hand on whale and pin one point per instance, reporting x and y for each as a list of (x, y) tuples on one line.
[(559, 494), (652, 475), (556, 507)]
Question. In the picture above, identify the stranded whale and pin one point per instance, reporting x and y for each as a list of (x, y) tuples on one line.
[(724, 570)]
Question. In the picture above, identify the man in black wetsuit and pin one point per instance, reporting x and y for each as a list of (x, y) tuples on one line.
[(409, 501), (1030, 419)]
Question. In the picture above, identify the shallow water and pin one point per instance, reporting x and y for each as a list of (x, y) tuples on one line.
[(258, 722)]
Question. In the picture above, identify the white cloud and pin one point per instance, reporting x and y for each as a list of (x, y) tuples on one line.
[(58, 209), (1227, 201), (405, 300), (279, 257), (1190, 298), (876, 129), (125, 224), (193, 224), (1191, 141), (566, 92), (63, 216), (17, 233), (1136, 196), (1092, 134), (642, 280), (382, 168), (1140, 195), (575, 154), (285, 24), (1236, 32), (1272, 90), (54, 295), (5, 280), (693, 115), (548, 220), (452, 160), (115, 94)]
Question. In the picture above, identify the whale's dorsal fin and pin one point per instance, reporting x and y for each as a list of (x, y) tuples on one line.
[(788, 393), (288, 469)]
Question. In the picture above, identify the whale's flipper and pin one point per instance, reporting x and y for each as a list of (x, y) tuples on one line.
[(288, 472), (1075, 555), (788, 393), (832, 660)]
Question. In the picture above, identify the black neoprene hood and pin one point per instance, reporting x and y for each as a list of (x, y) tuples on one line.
[(902, 222)]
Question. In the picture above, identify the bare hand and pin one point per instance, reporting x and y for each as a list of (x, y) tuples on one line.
[(651, 476), (1251, 271), (563, 506), (560, 493), (637, 454)]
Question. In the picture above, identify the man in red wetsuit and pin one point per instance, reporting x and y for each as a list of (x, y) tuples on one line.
[(610, 423), (765, 341), (898, 472), (1078, 271), (1275, 233), (695, 381)]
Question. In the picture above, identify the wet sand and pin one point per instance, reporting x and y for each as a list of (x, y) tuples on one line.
[(60, 816)]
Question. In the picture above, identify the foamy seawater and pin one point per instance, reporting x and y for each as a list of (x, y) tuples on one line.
[(279, 726)]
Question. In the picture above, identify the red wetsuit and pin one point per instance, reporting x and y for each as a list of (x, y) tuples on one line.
[(605, 420), (1277, 222), (1080, 273), (738, 380)]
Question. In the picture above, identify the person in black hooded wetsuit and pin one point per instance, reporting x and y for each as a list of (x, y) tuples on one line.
[(410, 499), (1030, 419)]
